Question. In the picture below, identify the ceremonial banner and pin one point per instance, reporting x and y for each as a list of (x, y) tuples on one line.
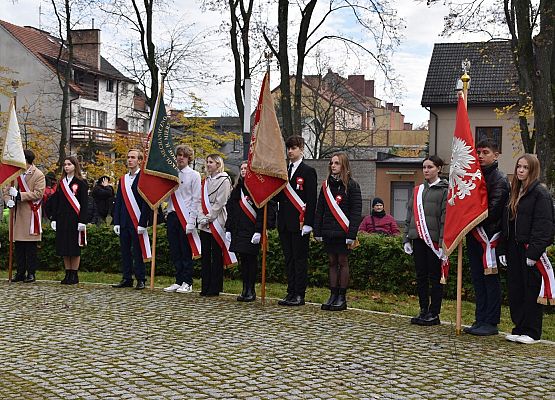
[(13, 159), (160, 174), (266, 167), (467, 200)]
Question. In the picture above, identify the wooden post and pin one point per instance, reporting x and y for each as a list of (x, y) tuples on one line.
[(153, 260), (264, 249)]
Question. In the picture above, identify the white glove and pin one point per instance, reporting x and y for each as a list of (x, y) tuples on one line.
[(53, 225), (81, 227), (408, 248), (349, 242), (116, 229), (203, 221), (306, 230), (10, 203), (256, 238), (141, 230), (13, 192), (318, 238), (503, 260), (530, 263), (442, 255), (190, 228), (228, 236)]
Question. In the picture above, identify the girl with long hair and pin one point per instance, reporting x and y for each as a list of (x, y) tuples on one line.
[(528, 229), (69, 218), (337, 218)]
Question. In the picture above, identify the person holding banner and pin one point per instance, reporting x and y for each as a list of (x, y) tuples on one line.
[(481, 243), (131, 217), (182, 209), (69, 218), (297, 203), (424, 233), (528, 229), (27, 198), (211, 219), (336, 223)]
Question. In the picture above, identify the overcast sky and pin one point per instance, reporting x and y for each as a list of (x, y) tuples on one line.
[(423, 27)]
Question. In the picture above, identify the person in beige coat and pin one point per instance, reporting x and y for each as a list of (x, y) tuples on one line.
[(27, 199), (217, 186)]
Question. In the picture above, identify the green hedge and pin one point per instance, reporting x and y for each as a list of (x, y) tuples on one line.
[(379, 263)]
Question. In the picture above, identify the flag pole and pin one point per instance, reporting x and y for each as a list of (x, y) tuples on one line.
[(458, 324), (15, 85), (264, 250)]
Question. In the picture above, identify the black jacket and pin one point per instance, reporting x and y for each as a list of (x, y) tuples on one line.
[(121, 216), (498, 193), (534, 223), (288, 216), (325, 224), (104, 199)]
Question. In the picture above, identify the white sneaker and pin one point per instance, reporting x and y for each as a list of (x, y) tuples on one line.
[(185, 288), (525, 339), (512, 338), (172, 288)]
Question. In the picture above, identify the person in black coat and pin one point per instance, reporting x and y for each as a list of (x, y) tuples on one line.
[(294, 229), (103, 195), (244, 229), (338, 237), (528, 227), (69, 218)]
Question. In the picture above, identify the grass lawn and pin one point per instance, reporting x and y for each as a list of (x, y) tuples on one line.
[(402, 304)]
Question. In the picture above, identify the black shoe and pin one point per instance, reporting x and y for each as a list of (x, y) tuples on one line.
[(340, 302), (18, 278), (30, 278), (333, 296), (416, 320), (65, 281), (140, 285), (250, 295), (124, 283), (485, 329), (286, 300), (74, 277), (469, 329), (297, 300), (430, 319)]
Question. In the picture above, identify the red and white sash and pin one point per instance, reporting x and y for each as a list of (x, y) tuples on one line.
[(297, 202), (35, 227), (135, 214), (547, 289), (489, 259), (337, 212), (247, 208), (70, 196), (181, 210), (216, 229), (424, 234)]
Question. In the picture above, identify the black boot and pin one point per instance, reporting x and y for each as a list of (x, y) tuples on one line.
[(417, 320), (334, 292), (18, 277), (251, 294), (243, 294), (340, 303), (75, 279), (65, 281)]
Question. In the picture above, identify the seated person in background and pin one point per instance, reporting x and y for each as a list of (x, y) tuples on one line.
[(378, 221)]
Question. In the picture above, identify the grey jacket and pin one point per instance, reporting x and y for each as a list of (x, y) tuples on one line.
[(434, 199)]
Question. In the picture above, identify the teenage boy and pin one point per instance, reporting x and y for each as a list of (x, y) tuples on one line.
[(297, 204), (481, 242)]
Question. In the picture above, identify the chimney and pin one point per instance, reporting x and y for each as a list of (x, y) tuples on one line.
[(86, 46), (357, 83), (369, 88), (396, 109), (389, 106), (407, 126)]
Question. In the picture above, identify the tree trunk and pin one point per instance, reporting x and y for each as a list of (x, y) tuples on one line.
[(283, 58)]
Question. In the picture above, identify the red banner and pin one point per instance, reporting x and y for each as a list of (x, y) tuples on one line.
[(467, 200)]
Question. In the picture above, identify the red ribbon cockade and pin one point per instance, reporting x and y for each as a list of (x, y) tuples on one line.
[(300, 182)]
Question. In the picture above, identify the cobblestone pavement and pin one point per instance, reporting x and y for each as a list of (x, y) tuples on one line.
[(96, 342)]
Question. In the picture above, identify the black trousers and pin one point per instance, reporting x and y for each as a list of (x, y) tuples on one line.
[(180, 250), (131, 255), (523, 285), (295, 251), (487, 288), (249, 265), (26, 257), (212, 265), (428, 275)]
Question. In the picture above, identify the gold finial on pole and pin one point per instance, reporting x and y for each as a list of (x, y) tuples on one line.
[(465, 78)]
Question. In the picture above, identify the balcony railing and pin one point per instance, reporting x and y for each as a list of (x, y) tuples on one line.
[(101, 136)]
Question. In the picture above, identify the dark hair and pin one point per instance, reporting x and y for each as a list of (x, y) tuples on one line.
[(74, 161), (518, 187), (488, 143), (295, 141), (29, 156), (438, 162)]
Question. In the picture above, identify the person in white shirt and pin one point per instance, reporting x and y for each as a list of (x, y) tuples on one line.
[(181, 218)]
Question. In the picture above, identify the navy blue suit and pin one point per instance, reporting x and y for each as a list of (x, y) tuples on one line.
[(131, 256)]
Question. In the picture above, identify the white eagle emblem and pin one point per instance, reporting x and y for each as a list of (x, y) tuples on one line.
[(461, 181)]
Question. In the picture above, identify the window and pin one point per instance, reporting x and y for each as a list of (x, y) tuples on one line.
[(493, 133), (94, 118), (109, 85), (400, 194)]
